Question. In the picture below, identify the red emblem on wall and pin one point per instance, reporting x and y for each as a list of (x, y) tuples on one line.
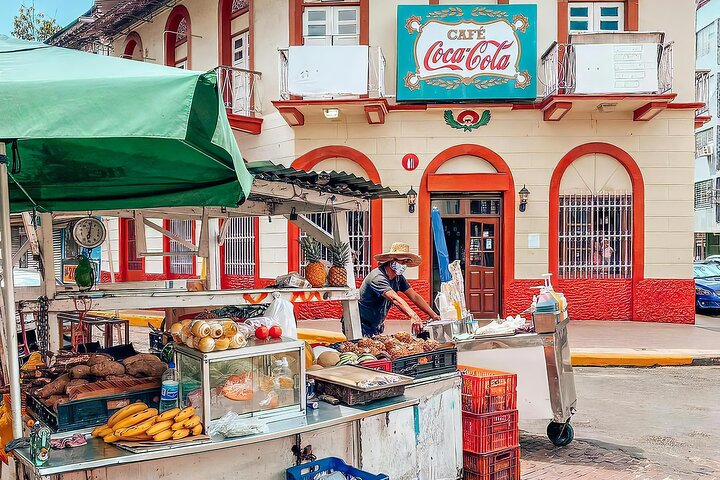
[(410, 161)]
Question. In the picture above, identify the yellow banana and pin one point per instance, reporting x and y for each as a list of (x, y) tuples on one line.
[(184, 414), (126, 412), (139, 429), (168, 415), (101, 431), (135, 418), (136, 438), (164, 435), (192, 421), (197, 429), (178, 426), (178, 434), (159, 427), (110, 438)]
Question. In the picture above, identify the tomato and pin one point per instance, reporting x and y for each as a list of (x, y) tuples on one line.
[(262, 332), (275, 331)]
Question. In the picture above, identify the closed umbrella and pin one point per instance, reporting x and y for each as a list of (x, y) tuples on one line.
[(441, 246)]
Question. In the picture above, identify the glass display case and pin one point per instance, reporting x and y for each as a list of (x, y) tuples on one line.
[(264, 379)]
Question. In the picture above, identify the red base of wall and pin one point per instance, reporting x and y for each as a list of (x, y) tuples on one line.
[(105, 277), (654, 300)]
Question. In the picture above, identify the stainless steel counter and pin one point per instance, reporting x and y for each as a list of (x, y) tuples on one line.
[(98, 454)]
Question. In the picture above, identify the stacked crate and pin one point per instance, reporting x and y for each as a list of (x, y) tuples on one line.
[(491, 449)]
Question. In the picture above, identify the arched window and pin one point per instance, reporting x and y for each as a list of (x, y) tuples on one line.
[(133, 47), (178, 38), (235, 36)]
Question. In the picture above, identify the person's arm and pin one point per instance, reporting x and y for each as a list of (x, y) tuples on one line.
[(401, 304), (418, 300)]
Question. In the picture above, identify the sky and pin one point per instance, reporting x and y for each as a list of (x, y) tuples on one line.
[(64, 11)]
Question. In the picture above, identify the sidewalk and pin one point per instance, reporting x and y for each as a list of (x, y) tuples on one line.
[(601, 343)]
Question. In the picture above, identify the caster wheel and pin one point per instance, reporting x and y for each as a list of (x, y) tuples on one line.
[(560, 434)]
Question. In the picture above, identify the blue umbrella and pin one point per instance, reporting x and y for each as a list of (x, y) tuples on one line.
[(441, 246)]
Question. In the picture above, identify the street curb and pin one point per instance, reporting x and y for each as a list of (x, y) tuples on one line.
[(581, 359)]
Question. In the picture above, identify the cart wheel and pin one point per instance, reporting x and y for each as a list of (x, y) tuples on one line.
[(560, 434)]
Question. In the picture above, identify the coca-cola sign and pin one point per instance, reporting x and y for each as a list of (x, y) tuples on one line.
[(466, 52)]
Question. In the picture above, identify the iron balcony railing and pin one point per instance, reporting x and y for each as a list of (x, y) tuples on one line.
[(375, 81), (558, 72), (702, 91), (240, 90)]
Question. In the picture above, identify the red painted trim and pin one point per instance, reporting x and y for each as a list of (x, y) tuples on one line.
[(307, 162), (702, 120), (411, 107), (615, 97), (242, 123), (562, 22), (176, 14), (549, 112), (166, 248), (632, 15), (685, 105), (503, 180), (648, 111), (225, 33), (638, 191), (125, 274), (377, 110), (462, 182), (322, 102), (503, 2), (292, 116), (224, 277), (437, 2), (132, 41)]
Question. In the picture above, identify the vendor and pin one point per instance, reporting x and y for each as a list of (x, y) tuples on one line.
[(379, 291)]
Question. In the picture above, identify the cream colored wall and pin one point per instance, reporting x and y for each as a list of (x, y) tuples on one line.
[(113, 236)]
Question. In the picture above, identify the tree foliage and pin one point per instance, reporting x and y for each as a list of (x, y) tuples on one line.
[(31, 25)]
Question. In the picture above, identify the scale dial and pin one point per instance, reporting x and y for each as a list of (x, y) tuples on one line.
[(89, 232)]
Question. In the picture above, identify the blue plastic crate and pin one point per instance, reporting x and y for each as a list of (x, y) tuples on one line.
[(308, 471)]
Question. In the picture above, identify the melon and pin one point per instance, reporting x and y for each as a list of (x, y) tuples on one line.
[(328, 359)]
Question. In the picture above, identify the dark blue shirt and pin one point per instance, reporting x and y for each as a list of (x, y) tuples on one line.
[(373, 305)]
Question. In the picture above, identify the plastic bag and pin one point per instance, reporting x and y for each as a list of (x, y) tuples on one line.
[(233, 425), (283, 313)]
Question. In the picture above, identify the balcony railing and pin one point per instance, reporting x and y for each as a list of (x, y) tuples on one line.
[(330, 79), (239, 89), (582, 68), (702, 91)]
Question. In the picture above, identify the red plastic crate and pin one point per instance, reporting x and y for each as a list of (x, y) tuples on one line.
[(502, 465), (384, 365), (490, 432), (487, 391)]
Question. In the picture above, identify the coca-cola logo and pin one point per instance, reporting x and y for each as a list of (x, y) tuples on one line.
[(484, 55)]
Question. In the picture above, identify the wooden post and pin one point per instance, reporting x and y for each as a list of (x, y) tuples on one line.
[(47, 254), (351, 312), (213, 271)]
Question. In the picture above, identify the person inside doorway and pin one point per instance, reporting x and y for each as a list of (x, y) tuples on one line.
[(379, 291)]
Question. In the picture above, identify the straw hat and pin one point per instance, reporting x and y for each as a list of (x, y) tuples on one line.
[(399, 251)]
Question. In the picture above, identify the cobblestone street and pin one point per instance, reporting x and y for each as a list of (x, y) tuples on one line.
[(655, 432)]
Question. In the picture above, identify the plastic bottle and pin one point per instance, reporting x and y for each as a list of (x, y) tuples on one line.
[(283, 382), (170, 388)]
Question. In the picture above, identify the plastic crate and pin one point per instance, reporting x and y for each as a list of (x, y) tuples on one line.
[(490, 432), (502, 465), (488, 391), (88, 412), (422, 365), (309, 471), (384, 365)]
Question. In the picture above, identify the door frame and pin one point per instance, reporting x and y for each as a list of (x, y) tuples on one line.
[(126, 274)]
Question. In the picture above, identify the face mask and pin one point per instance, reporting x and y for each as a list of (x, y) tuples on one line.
[(398, 268)]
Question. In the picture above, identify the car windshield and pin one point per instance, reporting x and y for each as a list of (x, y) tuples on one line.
[(706, 270)]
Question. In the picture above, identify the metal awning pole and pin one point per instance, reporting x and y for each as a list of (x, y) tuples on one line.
[(13, 364)]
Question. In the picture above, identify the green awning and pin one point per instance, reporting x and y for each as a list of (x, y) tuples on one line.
[(90, 132)]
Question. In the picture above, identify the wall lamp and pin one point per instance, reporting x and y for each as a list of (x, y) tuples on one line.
[(411, 197), (524, 193), (331, 113)]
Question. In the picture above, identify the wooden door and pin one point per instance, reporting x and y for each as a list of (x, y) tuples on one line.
[(132, 267), (482, 276)]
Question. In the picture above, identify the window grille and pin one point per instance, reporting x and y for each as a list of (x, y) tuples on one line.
[(705, 40), (240, 246), (181, 264), (702, 194), (595, 236), (359, 233), (704, 144)]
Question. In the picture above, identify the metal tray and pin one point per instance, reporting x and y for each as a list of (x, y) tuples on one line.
[(350, 375)]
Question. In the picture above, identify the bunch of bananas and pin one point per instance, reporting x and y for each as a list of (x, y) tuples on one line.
[(137, 422)]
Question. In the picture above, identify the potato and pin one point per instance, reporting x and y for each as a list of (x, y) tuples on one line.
[(147, 357), (98, 358), (145, 368), (79, 371), (104, 369), (56, 387)]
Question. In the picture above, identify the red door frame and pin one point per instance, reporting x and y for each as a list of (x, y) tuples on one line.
[(638, 192), (166, 259), (131, 41), (256, 247), (225, 18), (127, 275), (502, 181), (170, 40), (307, 162)]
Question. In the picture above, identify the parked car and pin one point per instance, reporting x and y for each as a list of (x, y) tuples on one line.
[(707, 286), (713, 259)]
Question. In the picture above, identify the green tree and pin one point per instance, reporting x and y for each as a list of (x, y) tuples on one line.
[(31, 25)]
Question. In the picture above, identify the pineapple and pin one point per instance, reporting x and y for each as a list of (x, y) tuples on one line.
[(340, 256), (315, 269)]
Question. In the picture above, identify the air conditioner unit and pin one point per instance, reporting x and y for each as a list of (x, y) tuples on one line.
[(705, 150)]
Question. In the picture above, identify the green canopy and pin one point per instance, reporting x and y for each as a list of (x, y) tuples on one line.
[(89, 132)]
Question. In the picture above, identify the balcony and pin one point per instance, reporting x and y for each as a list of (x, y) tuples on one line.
[(702, 95), (239, 91), (337, 80), (608, 72)]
